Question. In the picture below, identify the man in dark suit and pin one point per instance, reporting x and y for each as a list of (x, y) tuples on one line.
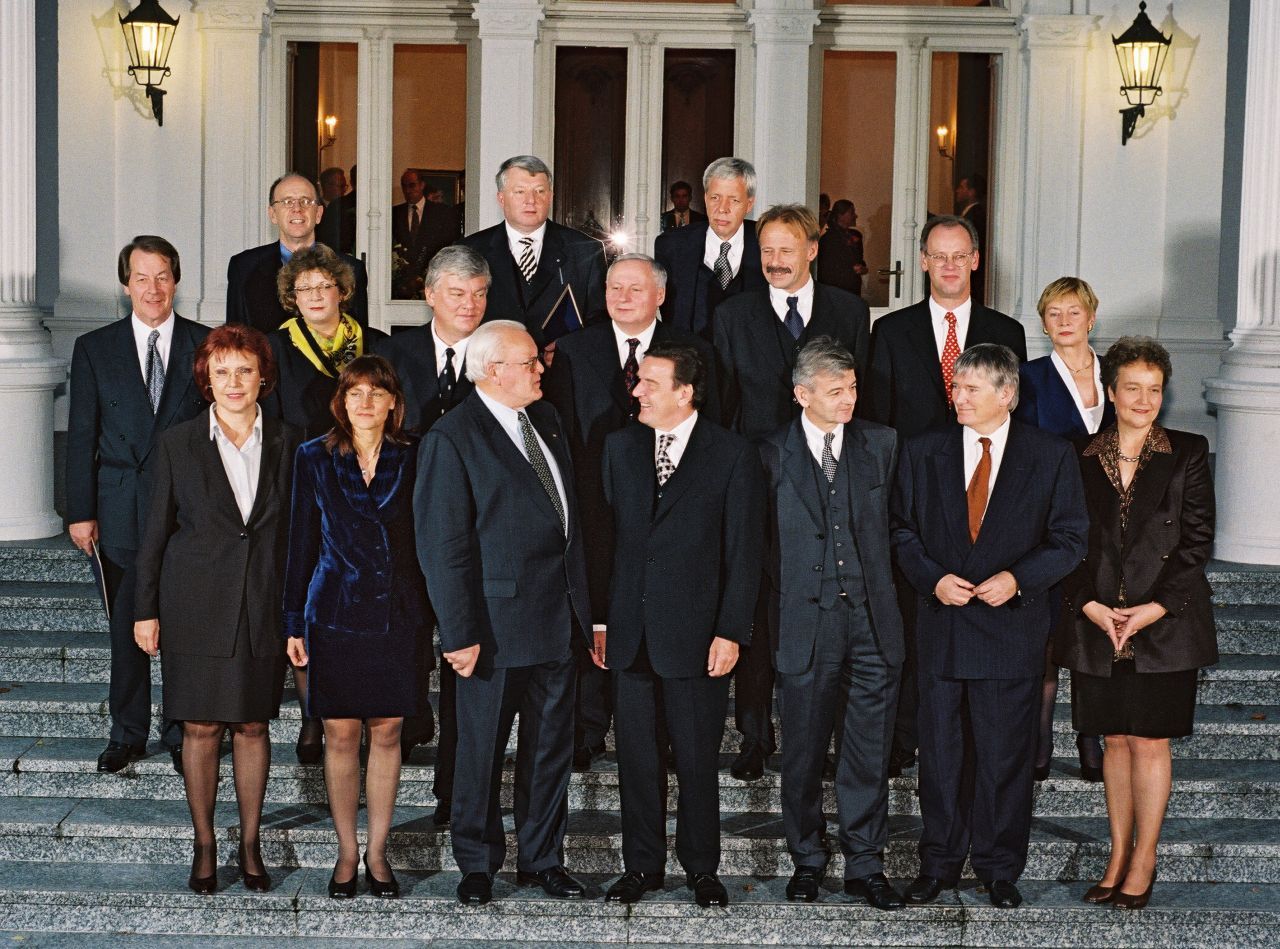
[(130, 380), (838, 643), (294, 208), (500, 542), (987, 517), (688, 505), (533, 259), (909, 388), (337, 227), (680, 215), (757, 336), (971, 204), (708, 263), (419, 228)]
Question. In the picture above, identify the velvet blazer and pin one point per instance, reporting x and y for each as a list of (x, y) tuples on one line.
[(1045, 402)]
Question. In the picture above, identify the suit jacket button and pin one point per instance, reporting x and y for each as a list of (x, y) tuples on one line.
[(1167, 523), (820, 536), (650, 560), (244, 535), (818, 568), (813, 599), (1165, 557)]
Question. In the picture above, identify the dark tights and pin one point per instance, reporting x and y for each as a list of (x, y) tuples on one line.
[(250, 761)]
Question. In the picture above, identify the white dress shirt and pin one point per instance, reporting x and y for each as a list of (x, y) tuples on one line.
[(509, 419), (242, 464), (804, 304), (1092, 418), (459, 352), (815, 437), (421, 205), (711, 253), (675, 451), (938, 314), (514, 238), (973, 452), (142, 332), (646, 340)]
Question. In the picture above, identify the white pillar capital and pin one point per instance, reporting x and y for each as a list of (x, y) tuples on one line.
[(782, 26), (1056, 32), (783, 34), (508, 19), (236, 15)]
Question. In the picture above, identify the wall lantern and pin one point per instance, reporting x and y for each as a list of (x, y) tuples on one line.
[(1142, 50), (944, 150), (330, 133), (148, 34)]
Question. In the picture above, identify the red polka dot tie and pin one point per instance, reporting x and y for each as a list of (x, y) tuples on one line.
[(950, 353)]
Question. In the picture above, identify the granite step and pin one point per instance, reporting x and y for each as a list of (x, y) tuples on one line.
[(1238, 583), (39, 605), (53, 559)]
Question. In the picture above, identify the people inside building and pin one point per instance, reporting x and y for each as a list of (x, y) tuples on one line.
[(680, 214)]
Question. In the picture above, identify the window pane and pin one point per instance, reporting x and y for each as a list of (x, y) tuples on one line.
[(697, 117), (590, 160), (323, 108)]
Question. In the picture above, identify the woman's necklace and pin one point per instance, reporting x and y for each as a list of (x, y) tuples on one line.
[(368, 465), (1123, 457), (1086, 368)]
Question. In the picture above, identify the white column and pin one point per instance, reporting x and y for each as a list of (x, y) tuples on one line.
[(1247, 391), (783, 35), (231, 34), (28, 370), (508, 31), (644, 141)]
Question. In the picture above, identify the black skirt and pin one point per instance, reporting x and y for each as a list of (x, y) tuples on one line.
[(354, 676), (1128, 702), (241, 687)]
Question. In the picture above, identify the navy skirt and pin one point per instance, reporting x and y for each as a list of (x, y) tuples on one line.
[(1128, 702)]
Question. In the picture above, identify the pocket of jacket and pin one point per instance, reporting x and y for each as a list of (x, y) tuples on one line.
[(502, 588)]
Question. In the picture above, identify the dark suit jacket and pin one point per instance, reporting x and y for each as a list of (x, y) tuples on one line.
[(754, 365), (499, 569), (905, 384), (1035, 527), (200, 563), (669, 219), (412, 354), (251, 289), (1045, 402), (837, 257), (302, 393), (568, 257), (111, 429), (692, 293), (337, 227), (1162, 558), (686, 562), (438, 228), (797, 534)]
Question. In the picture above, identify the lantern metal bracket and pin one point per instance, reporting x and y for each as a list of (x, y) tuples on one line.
[(1129, 121)]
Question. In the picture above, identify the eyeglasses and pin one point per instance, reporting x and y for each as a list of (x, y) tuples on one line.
[(526, 364), (374, 395), (222, 376), (321, 288), (941, 260), (294, 203)]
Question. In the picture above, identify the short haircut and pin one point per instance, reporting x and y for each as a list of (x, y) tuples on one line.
[(528, 163), (332, 173), (484, 346), (795, 216), (271, 192), (417, 175), (679, 186), (689, 369), (148, 244), (458, 261), (998, 363), (659, 272), (235, 338), (731, 168), (947, 220), (977, 183), (1128, 350), (822, 355), (316, 257), (1068, 287), (840, 207), (374, 371)]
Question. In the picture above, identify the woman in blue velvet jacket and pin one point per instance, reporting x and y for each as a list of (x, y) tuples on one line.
[(355, 602)]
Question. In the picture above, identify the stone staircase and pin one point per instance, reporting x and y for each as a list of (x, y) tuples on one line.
[(82, 852)]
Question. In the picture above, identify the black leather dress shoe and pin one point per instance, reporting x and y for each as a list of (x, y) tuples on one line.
[(443, 814), (748, 766), (310, 746), (1003, 894), (630, 887), (707, 890), (805, 884), (925, 889), (176, 755), (117, 755), (582, 757), (475, 889), (554, 882), (876, 890), (1041, 771)]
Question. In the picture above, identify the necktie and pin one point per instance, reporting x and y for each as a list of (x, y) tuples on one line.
[(828, 457), (950, 353), (630, 373), (665, 466), (155, 371), (722, 270), (979, 484), (792, 321), (413, 221), (539, 462), (527, 264), (448, 378)]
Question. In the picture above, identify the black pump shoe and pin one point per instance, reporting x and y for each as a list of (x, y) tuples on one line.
[(388, 889)]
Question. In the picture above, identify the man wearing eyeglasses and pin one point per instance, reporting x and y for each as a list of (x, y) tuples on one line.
[(294, 207)]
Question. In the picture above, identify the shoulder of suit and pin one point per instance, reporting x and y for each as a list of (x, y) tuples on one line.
[(591, 335), (313, 449), (200, 330), (746, 301), (899, 319), (838, 296), (103, 333), (481, 239), (1048, 442), (405, 342), (187, 432), (571, 235), (251, 255), (375, 335), (1189, 442), (872, 431)]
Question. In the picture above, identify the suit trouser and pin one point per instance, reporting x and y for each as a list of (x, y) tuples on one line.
[(850, 680), (983, 731), (487, 702), (129, 695), (594, 706), (694, 709), (447, 734), (753, 688), (905, 737)]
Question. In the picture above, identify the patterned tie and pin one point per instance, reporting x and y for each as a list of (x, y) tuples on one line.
[(828, 457), (540, 467), (527, 264), (950, 353), (413, 221), (155, 371), (723, 272), (977, 490), (793, 321), (630, 374), (665, 466), (448, 378)]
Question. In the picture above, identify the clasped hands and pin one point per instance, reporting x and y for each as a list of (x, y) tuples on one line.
[(1122, 623), (721, 657), (994, 591)]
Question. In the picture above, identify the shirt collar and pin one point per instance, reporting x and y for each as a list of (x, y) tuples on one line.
[(816, 436), (645, 336), (736, 242), (779, 297), (515, 237), (998, 437), (286, 254), (939, 312), (503, 413), (143, 330), (216, 432), (681, 431), (459, 348)]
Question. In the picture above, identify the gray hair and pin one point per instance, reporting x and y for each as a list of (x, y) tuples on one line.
[(659, 272), (998, 363), (731, 168), (458, 261), (822, 355), (485, 345), (947, 220), (530, 163)]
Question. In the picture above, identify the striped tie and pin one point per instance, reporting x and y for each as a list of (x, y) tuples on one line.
[(527, 264)]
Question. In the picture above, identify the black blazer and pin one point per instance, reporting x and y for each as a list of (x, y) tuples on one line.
[(251, 289), (754, 363), (669, 219), (797, 535), (905, 380), (692, 293), (200, 564), (438, 228), (111, 429), (837, 258), (412, 354), (500, 571), (1045, 402), (568, 257), (1035, 527), (687, 557), (302, 393), (1162, 558)]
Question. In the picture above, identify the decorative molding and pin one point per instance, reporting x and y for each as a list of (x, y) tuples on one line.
[(771, 27), (234, 14), (508, 19), (1056, 31), (646, 38)]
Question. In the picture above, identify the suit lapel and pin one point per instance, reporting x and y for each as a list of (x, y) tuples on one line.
[(920, 335), (1149, 486), (949, 485), (504, 450), (218, 485), (550, 264), (1011, 480), (272, 449), (177, 375), (863, 476), (604, 363), (797, 464), (544, 424), (685, 474), (822, 321), (131, 386)]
